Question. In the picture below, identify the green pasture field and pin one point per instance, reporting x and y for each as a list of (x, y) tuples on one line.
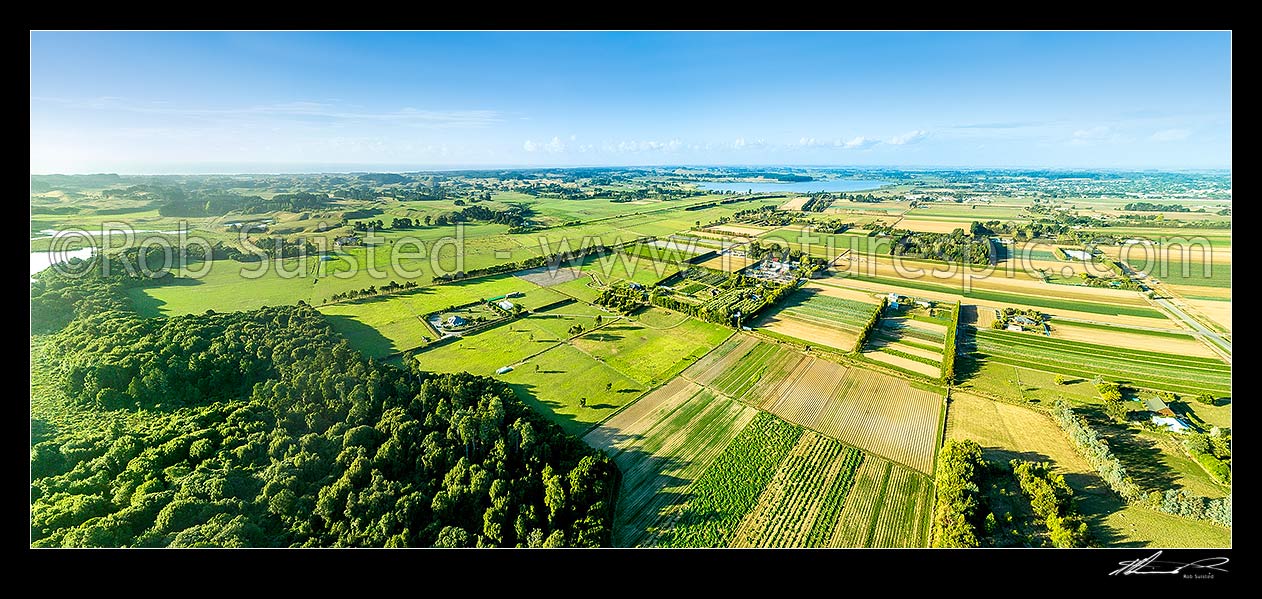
[(1190, 272), (1013, 298), (565, 375), (1153, 370), (1077, 324), (486, 351), (654, 346), (386, 324)]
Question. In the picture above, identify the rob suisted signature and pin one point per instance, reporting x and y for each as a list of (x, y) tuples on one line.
[(1151, 565)]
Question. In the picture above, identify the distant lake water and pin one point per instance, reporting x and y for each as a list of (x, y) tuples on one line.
[(798, 187), (42, 260)]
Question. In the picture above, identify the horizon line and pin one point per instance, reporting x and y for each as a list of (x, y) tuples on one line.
[(335, 168)]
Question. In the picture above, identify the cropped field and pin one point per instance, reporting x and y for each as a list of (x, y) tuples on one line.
[(878, 413), (889, 506), (912, 342), (662, 444), (1153, 370), (819, 319), (729, 488), (741, 365), (800, 505), (1169, 342)]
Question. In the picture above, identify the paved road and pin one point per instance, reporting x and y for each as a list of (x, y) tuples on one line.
[(1216, 342)]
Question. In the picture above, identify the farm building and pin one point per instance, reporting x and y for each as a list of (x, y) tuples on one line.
[(1016, 328), (924, 303), (894, 298), (455, 321), (1172, 423), (515, 294), (503, 369), (348, 240), (1025, 320), (506, 305), (1158, 407)]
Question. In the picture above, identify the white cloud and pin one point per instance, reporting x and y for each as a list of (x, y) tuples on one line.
[(741, 143), (573, 137), (1092, 133), (1171, 135), (910, 137), (644, 146), (555, 146), (858, 142)]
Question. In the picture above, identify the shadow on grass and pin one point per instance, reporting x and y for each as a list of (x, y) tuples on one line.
[(602, 336), (1094, 499), (652, 492), (366, 339), (1141, 456)]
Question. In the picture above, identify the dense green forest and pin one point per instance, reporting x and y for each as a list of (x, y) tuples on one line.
[(265, 428)]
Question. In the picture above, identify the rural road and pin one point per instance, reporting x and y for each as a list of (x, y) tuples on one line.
[(1216, 342)]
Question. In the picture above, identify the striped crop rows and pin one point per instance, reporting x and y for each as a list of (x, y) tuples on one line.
[(1141, 368), (730, 487), (790, 505)]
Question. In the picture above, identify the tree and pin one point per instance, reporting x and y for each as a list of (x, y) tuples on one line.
[(598, 320), (609, 386)]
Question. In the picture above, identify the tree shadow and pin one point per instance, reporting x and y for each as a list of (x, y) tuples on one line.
[(1142, 457), (366, 339), (1094, 500), (602, 336), (967, 363), (653, 493)]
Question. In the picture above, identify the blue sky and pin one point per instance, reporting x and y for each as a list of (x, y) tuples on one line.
[(144, 102)]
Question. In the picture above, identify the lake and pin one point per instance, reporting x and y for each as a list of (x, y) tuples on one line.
[(42, 260), (798, 187)]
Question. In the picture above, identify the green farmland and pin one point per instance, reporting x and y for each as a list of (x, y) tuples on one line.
[(1151, 370)]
